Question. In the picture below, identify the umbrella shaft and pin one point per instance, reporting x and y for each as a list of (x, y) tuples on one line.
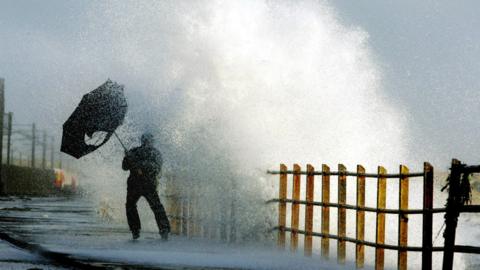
[(115, 133)]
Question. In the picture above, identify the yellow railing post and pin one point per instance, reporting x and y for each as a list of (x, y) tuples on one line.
[(360, 232), (309, 211), (381, 203)]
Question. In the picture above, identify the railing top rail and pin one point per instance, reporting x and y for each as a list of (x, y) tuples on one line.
[(372, 209), (347, 173), (463, 209)]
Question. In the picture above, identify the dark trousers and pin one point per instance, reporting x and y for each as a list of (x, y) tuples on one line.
[(149, 191)]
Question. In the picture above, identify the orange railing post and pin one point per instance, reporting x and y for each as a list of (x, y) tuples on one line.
[(309, 211), (360, 232), (282, 206), (295, 208)]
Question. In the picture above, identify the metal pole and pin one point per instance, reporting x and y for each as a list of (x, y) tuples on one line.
[(9, 138), (33, 146), (44, 151), (451, 215), (2, 109), (52, 153)]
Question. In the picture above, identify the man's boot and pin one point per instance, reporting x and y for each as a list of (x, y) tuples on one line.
[(164, 235), (135, 235)]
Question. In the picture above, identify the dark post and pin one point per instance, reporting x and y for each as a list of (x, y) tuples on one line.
[(451, 215), (282, 207), (2, 109), (427, 216), (233, 222), (223, 221), (44, 150), (52, 153), (184, 217), (9, 138), (33, 146)]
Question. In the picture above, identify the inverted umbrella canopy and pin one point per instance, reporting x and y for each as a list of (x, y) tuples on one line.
[(103, 109)]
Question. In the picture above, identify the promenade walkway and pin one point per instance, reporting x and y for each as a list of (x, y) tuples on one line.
[(60, 232)]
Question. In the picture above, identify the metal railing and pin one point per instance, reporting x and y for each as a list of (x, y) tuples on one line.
[(403, 211)]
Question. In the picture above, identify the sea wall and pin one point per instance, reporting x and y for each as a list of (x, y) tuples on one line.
[(28, 181)]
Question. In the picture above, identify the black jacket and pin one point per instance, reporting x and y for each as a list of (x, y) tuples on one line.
[(144, 163)]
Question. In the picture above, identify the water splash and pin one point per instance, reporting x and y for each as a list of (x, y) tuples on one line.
[(233, 88)]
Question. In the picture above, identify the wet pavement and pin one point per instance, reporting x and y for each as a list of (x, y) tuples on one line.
[(65, 233)]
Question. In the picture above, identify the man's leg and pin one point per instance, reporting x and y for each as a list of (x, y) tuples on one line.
[(158, 210), (133, 195)]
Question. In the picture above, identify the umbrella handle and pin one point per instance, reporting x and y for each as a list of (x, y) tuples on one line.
[(124, 148)]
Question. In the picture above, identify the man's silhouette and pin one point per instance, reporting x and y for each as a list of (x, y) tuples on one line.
[(145, 164)]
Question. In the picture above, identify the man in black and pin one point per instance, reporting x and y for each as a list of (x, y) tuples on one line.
[(145, 164)]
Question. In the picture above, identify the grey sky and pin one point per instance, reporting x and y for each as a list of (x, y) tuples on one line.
[(428, 52)]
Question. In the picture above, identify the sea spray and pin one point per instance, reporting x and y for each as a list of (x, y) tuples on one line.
[(233, 88)]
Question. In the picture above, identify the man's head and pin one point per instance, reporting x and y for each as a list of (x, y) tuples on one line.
[(147, 138)]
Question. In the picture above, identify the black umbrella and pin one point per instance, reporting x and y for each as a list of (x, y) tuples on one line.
[(101, 110)]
